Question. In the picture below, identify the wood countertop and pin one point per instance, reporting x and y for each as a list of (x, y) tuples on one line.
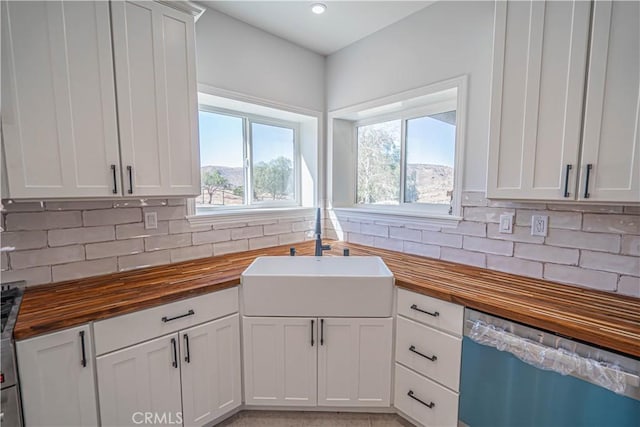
[(601, 318)]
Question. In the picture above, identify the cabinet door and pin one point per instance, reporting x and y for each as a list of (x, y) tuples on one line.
[(210, 356), (611, 142), (154, 51), (58, 108), (354, 362), (280, 361), (142, 378), (57, 379), (540, 51)]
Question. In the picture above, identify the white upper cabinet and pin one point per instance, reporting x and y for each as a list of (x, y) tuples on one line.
[(62, 137), (540, 54), (154, 51), (59, 124), (611, 142)]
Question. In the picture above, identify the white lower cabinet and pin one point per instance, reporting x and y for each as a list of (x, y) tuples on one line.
[(354, 359), (317, 361), (140, 379), (57, 379), (211, 385)]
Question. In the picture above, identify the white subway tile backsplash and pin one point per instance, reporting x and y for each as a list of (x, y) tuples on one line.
[(280, 228), (166, 213), (404, 233), (612, 223), (78, 206), (547, 253), (20, 240), (513, 265), (628, 285), (468, 228), (263, 242), (474, 198), (212, 236), (77, 270), (288, 238), (23, 207), (137, 230), (46, 256), (230, 247), (33, 276), (390, 244), (608, 262), (111, 216), (481, 214), (360, 239), (520, 234), (191, 252), (375, 230), (581, 240), (178, 226), (630, 245), (114, 248), (464, 257), (144, 259), (488, 246), (431, 251), (579, 276), (170, 241), (4, 261), (43, 220), (586, 208), (71, 236), (246, 232)]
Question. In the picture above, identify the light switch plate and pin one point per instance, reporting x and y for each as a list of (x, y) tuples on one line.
[(506, 224), (150, 220), (539, 225)]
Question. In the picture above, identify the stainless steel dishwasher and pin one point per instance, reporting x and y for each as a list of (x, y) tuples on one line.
[(515, 375)]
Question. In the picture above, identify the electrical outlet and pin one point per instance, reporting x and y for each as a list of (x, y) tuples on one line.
[(506, 224), (539, 225), (150, 220)]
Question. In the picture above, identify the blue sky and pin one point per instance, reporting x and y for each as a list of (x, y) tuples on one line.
[(430, 141), (221, 141)]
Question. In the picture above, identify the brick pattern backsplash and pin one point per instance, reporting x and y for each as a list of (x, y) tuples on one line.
[(55, 241), (595, 246)]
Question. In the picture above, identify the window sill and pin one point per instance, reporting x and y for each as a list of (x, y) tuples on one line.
[(245, 215), (403, 216)]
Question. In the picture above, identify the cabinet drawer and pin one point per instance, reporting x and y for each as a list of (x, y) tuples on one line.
[(416, 344), (122, 331), (414, 394), (431, 311)]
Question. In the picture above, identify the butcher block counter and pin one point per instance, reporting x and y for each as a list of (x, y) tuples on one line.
[(600, 318)]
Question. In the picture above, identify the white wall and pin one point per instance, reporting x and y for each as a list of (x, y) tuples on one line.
[(235, 56), (444, 40)]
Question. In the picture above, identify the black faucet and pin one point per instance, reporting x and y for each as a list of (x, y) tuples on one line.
[(319, 246)]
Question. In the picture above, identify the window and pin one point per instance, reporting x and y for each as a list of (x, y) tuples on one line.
[(246, 161), (408, 160)]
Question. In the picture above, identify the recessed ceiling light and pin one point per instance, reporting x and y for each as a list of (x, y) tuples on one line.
[(318, 8)]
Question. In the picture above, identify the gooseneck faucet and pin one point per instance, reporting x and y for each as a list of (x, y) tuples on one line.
[(319, 246)]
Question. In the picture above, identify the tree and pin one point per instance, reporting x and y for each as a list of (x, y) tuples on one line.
[(273, 178), (379, 163), (213, 181)]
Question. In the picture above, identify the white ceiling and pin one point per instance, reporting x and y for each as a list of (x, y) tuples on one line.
[(343, 23)]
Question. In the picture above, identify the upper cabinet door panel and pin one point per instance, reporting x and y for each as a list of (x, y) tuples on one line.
[(611, 143), (59, 115), (154, 50), (540, 51)]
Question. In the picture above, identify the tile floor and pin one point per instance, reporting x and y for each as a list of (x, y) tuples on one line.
[(313, 419)]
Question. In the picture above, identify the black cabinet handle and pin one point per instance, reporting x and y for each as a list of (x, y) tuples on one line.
[(130, 172), (321, 331), (166, 319), (434, 314), (566, 180), (429, 405), (586, 184), (115, 181), (432, 358), (313, 322), (83, 362), (174, 362), (187, 357)]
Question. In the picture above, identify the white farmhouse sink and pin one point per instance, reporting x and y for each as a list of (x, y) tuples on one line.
[(318, 286)]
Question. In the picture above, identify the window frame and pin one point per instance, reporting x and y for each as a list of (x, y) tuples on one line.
[(404, 116), (247, 147)]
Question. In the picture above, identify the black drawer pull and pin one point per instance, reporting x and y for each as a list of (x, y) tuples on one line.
[(115, 180), (174, 362), (434, 314), (586, 184), (429, 405), (313, 322), (566, 181), (166, 319), (130, 172), (83, 362), (187, 357), (432, 358), (321, 331)]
